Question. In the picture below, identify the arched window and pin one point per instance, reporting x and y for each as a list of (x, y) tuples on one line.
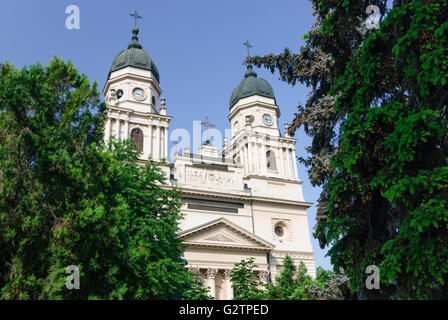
[(270, 159), (137, 137)]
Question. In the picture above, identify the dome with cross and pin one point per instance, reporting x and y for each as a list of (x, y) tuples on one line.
[(134, 56), (251, 86)]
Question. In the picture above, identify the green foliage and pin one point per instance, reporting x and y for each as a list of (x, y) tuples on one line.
[(245, 283), (330, 285), (388, 200), (196, 290), (323, 276), (304, 281), (292, 282), (68, 199), (377, 113)]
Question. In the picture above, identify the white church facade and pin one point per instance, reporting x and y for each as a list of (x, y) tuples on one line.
[(245, 201)]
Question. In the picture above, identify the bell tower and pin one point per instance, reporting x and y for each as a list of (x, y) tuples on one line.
[(268, 158), (134, 107)]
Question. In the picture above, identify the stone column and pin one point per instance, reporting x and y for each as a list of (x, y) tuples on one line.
[(162, 142), (250, 154), (157, 146), (118, 126), (294, 164), (228, 282), (291, 164), (166, 144), (288, 163), (279, 159), (263, 159), (210, 274), (285, 163), (257, 167), (245, 161), (149, 142), (281, 167)]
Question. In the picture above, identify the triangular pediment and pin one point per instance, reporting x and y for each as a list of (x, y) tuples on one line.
[(225, 234), (220, 238)]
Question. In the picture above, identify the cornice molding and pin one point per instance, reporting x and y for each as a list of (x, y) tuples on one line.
[(240, 197), (130, 76), (238, 107), (225, 246), (274, 179), (293, 254), (129, 111)]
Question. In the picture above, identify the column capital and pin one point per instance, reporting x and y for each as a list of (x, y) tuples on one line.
[(263, 275), (227, 273), (211, 273)]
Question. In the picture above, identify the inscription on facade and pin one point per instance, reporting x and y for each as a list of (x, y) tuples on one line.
[(211, 178)]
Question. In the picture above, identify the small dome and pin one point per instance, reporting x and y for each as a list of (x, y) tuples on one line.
[(251, 86), (134, 56)]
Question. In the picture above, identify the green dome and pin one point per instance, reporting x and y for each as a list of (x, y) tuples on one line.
[(134, 56), (251, 86)]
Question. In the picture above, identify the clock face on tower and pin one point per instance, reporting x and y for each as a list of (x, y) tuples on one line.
[(267, 119), (138, 94)]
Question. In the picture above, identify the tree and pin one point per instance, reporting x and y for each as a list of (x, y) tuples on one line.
[(196, 290), (380, 145), (68, 199), (388, 200), (245, 284), (285, 283), (330, 285), (292, 283), (332, 42)]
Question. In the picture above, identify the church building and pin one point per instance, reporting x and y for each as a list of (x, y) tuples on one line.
[(246, 201)]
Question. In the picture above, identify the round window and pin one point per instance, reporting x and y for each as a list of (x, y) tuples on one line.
[(279, 231), (153, 100), (119, 94)]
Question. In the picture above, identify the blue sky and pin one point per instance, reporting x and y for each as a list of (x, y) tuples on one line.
[(197, 46)]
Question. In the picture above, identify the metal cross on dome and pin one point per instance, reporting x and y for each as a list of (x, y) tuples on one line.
[(207, 124), (248, 45), (136, 16)]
